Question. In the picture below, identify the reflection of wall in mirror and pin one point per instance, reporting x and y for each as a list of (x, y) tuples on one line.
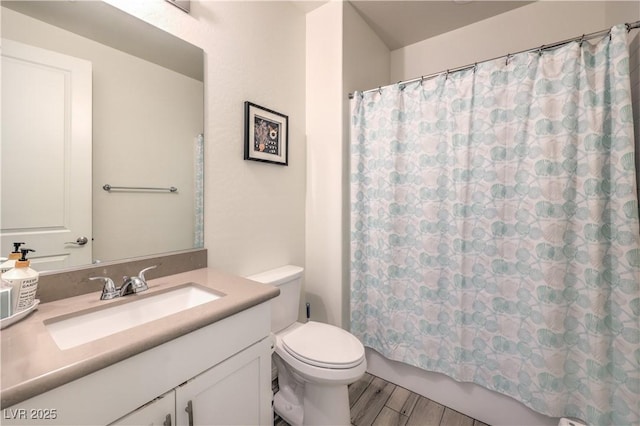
[(142, 136)]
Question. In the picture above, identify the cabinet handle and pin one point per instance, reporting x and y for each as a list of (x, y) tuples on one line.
[(167, 420), (189, 410)]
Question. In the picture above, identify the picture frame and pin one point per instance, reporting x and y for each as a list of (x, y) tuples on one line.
[(266, 135)]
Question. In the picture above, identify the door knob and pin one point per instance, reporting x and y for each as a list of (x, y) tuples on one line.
[(79, 242)]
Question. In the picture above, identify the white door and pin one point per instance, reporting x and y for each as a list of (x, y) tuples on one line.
[(46, 155)]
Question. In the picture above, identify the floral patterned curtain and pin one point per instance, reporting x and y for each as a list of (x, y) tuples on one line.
[(494, 228)]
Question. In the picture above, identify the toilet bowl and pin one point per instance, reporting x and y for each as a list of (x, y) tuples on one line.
[(316, 362)]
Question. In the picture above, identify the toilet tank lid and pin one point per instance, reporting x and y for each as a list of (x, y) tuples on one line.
[(278, 275)]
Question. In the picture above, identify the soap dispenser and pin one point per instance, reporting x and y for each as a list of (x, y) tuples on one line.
[(24, 281), (13, 256)]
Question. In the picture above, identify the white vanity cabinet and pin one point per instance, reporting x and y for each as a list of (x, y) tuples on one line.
[(223, 370), (231, 393)]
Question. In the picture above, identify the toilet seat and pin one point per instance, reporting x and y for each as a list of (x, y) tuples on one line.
[(324, 346)]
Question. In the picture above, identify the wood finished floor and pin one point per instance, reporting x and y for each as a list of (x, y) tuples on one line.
[(375, 401)]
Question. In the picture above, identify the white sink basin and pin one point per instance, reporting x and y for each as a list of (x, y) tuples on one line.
[(76, 330)]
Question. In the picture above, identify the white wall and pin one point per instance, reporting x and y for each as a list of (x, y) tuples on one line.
[(140, 138), (366, 58), (323, 276), (254, 212), (343, 53), (542, 22)]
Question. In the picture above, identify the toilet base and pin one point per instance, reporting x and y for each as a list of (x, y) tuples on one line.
[(322, 405), (288, 401), (326, 405), (300, 402), (290, 411)]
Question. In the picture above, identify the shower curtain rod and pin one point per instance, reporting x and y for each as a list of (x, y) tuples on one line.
[(630, 26)]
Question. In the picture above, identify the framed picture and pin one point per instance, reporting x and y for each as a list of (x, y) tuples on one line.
[(266, 135)]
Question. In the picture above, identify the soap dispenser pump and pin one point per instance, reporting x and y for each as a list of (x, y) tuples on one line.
[(11, 261), (24, 281)]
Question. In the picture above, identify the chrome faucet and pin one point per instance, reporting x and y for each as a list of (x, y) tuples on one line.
[(137, 284), (109, 291), (130, 285)]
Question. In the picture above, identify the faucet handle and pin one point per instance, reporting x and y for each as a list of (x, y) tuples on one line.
[(141, 273), (132, 285), (109, 290)]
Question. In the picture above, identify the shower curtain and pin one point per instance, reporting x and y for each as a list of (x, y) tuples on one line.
[(198, 207), (494, 228)]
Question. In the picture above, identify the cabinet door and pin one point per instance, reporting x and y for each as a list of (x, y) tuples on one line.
[(234, 392), (159, 412)]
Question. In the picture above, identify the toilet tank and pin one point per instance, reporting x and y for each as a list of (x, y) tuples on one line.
[(284, 308)]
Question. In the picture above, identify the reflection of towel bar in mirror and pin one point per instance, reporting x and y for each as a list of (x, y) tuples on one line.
[(108, 187)]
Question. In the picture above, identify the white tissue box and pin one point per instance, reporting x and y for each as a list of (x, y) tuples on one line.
[(5, 301)]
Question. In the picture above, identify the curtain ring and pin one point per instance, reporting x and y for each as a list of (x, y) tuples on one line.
[(628, 27), (380, 90), (540, 50), (446, 76), (401, 86), (581, 40), (506, 62), (475, 67), (421, 80)]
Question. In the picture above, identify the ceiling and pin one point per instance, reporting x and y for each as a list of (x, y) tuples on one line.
[(400, 23)]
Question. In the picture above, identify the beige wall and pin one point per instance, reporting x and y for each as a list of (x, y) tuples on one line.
[(542, 22), (323, 276), (140, 138), (343, 54), (254, 212)]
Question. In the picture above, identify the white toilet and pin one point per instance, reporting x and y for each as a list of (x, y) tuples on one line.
[(316, 362)]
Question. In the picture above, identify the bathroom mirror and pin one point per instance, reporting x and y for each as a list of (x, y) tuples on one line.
[(141, 109)]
